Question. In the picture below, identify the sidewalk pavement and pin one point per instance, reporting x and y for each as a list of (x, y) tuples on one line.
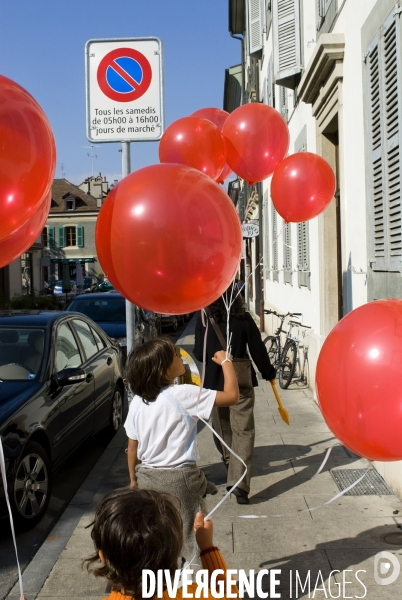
[(282, 530)]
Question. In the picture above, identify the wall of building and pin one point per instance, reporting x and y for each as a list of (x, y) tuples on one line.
[(359, 22)]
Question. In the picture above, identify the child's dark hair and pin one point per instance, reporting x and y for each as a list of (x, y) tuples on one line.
[(135, 530), (147, 366)]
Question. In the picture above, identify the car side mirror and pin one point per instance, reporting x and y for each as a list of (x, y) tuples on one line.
[(70, 376)]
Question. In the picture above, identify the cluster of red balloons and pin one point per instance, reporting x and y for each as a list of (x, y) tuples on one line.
[(252, 141), (27, 165)]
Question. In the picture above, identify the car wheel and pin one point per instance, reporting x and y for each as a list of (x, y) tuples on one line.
[(116, 417), (31, 486)]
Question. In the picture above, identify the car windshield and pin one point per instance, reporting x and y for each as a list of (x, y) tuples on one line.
[(101, 310), (21, 353)]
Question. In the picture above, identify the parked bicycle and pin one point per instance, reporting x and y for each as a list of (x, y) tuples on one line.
[(285, 358)]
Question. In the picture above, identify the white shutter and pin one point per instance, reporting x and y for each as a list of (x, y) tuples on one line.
[(393, 115), (287, 42), (383, 63), (303, 255), (275, 271), (267, 269), (270, 83), (255, 25), (287, 254), (379, 232)]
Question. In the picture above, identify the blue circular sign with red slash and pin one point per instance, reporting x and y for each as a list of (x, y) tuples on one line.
[(124, 75)]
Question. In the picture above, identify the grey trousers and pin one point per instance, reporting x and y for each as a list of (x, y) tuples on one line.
[(235, 425), (189, 485)]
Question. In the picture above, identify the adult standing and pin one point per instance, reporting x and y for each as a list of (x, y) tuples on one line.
[(235, 425)]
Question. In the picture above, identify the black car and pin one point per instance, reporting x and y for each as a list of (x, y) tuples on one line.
[(61, 381), (109, 312)]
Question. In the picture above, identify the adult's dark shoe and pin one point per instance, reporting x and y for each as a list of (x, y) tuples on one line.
[(241, 496)]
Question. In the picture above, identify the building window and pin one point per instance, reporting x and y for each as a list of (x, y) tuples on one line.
[(71, 236), (275, 269), (287, 254), (26, 274), (44, 237), (69, 204), (303, 255)]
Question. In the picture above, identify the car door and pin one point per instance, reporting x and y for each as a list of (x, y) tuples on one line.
[(76, 401), (100, 360)]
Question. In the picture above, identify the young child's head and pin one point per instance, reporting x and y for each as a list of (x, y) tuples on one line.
[(153, 366), (135, 530)]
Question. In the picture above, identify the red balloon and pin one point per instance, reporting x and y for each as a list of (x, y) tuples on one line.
[(27, 157), (257, 139), (218, 117), (226, 171), (358, 380), (22, 239), (175, 239), (196, 143), (102, 239), (302, 187)]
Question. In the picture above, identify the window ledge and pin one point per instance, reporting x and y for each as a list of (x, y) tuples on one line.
[(329, 50)]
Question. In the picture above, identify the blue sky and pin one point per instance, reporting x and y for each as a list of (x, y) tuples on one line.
[(42, 49)]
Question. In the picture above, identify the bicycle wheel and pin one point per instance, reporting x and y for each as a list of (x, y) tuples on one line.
[(287, 364), (272, 349)]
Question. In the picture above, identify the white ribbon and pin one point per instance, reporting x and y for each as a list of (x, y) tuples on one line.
[(3, 476)]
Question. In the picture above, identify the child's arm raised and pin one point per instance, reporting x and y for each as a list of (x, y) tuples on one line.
[(230, 394), (132, 461)]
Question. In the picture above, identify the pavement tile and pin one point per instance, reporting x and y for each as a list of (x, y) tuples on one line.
[(356, 507), (68, 574), (292, 535), (362, 560)]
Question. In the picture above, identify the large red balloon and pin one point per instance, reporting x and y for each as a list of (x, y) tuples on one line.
[(358, 380), (196, 143), (27, 157), (102, 239), (175, 239), (22, 239), (257, 139), (218, 117), (302, 187)]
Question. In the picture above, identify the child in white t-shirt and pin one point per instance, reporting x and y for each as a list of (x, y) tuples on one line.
[(161, 426)]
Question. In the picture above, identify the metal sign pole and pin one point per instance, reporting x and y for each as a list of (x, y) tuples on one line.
[(130, 309)]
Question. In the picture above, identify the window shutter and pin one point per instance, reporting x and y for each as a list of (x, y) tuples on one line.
[(275, 271), (303, 255), (61, 237), (80, 236), (255, 25), (393, 116), (287, 254), (267, 269), (383, 63), (287, 41), (50, 237), (283, 97), (270, 82)]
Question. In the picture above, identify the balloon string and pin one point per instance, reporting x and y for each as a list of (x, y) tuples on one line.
[(339, 495), (205, 323), (4, 478), (259, 263)]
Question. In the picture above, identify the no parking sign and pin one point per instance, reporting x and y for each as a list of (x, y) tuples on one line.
[(124, 89)]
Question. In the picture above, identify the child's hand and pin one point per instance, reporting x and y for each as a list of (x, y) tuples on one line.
[(220, 356), (203, 531)]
